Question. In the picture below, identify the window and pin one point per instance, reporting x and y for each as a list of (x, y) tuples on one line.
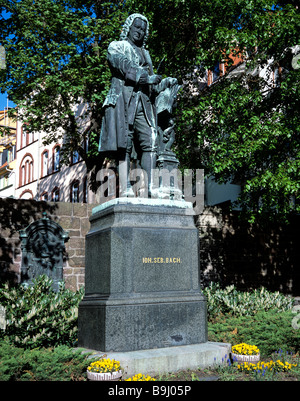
[(74, 193), (26, 137), (22, 176), (213, 74), (4, 182), (30, 173), (45, 163), (4, 157), (26, 170), (216, 72), (75, 157), (44, 196), (56, 158), (27, 194), (12, 153), (30, 136), (55, 195)]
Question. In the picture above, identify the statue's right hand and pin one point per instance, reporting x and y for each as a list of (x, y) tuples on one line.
[(154, 79)]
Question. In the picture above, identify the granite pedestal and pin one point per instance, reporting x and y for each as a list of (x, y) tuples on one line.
[(142, 277)]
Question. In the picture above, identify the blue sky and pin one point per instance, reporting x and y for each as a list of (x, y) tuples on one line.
[(3, 97), (3, 101)]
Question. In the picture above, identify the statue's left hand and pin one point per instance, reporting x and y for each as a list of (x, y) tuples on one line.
[(172, 81), (154, 79)]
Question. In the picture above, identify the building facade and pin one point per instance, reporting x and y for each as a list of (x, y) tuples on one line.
[(7, 155), (40, 175)]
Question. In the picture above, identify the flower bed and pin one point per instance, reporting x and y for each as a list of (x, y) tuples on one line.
[(276, 366)]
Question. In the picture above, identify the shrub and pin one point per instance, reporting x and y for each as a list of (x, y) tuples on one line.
[(36, 316), (229, 300), (269, 331), (57, 364)]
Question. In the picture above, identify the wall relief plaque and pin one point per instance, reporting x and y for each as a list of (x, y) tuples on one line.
[(43, 250)]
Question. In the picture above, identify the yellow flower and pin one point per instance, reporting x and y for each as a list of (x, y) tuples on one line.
[(140, 377), (104, 366), (245, 349), (278, 365)]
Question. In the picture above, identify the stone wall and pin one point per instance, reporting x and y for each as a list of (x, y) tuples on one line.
[(18, 214), (249, 255), (231, 252)]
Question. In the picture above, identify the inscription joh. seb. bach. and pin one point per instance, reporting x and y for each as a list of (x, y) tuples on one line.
[(162, 260), (43, 246)]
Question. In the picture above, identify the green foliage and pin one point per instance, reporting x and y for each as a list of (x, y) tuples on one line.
[(253, 140), (37, 316), (269, 331), (244, 129), (259, 317), (239, 303), (44, 364), (55, 58)]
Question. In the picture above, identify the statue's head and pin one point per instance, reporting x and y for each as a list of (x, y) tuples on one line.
[(127, 25)]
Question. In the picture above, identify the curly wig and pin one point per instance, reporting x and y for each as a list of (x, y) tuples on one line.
[(129, 22)]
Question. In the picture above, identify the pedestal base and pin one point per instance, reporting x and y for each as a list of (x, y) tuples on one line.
[(166, 360), (142, 278)]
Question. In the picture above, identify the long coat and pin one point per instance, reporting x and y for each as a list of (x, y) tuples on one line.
[(124, 64)]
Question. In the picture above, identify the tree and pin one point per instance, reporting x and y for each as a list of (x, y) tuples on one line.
[(238, 129), (56, 58), (245, 127)]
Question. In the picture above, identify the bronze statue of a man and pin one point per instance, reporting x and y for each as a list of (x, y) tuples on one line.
[(130, 117)]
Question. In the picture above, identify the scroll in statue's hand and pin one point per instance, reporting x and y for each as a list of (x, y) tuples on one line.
[(154, 79)]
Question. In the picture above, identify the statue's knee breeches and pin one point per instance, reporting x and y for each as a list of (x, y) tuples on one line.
[(143, 137)]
